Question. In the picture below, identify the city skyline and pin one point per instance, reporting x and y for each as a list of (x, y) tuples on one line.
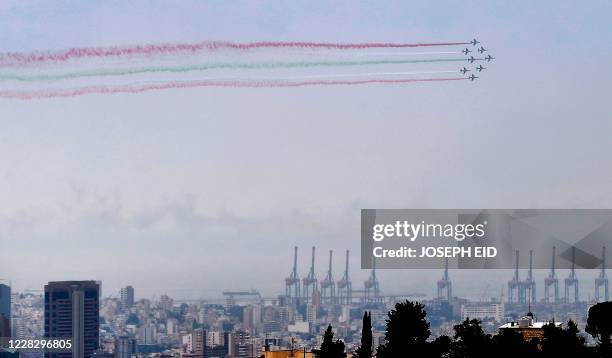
[(254, 326)]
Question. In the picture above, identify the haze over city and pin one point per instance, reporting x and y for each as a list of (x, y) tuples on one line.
[(193, 191)]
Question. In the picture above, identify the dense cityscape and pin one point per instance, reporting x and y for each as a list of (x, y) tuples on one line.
[(246, 324)]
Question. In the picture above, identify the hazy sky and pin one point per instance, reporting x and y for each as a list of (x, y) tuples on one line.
[(194, 191)]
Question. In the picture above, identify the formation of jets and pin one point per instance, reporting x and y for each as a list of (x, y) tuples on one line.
[(472, 59)]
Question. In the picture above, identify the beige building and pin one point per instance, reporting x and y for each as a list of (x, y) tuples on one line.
[(527, 328), (293, 353), (483, 311), (289, 353)]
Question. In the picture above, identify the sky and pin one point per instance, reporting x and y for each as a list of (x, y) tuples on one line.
[(194, 191)]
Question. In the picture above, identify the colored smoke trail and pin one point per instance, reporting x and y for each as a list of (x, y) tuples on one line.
[(311, 77), (26, 58), (366, 74), (364, 54), (192, 68), (195, 84)]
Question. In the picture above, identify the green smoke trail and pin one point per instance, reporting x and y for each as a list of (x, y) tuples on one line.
[(213, 66)]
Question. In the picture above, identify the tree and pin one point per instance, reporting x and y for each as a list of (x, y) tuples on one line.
[(365, 349), (508, 343), (441, 346), (599, 325), (470, 340), (559, 342), (331, 348), (406, 333)]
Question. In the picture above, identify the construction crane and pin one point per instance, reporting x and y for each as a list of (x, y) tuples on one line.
[(572, 280), (345, 287), (602, 280), (328, 286), (513, 285), (292, 282), (527, 291), (310, 283), (552, 280), (445, 287), (372, 286)]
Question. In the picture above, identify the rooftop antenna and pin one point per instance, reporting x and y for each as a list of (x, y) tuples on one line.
[(529, 302), (446, 269)]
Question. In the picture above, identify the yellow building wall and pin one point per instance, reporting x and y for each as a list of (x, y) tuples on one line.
[(293, 354), (288, 354)]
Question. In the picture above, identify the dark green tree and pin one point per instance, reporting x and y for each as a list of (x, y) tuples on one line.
[(365, 349), (599, 325), (407, 332), (508, 343), (470, 340), (331, 348), (441, 347), (558, 342)]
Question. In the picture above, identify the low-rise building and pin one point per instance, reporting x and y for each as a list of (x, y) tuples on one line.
[(528, 328)]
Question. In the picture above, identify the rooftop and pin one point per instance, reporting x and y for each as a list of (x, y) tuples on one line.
[(528, 323)]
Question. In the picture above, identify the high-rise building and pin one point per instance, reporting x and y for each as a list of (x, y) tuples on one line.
[(187, 341), (199, 341), (124, 347), (217, 344), (5, 316), (247, 317), (147, 334), (5, 311), (243, 345), (311, 316), (166, 302), (214, 338), (127, 297), (172, 326), (72, 310)]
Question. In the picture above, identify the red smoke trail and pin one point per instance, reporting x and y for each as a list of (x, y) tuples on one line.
[(25, 58), (195, 84)]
